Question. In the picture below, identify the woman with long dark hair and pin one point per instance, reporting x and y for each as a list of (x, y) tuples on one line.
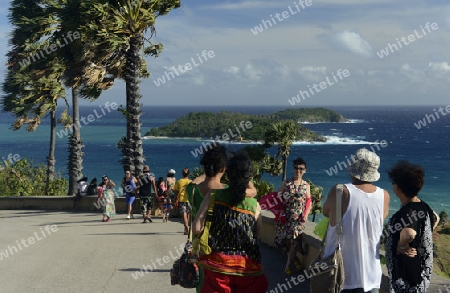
[(235, 259)]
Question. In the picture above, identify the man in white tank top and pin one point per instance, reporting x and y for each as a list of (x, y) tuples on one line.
[(364, 208)]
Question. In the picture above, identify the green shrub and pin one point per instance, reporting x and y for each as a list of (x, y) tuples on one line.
[(23, 178)]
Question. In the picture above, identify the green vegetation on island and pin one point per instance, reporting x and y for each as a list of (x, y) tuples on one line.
[(310, 115), (239, 126)]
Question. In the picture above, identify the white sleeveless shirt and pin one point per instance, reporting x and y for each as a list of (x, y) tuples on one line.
[(360, 243)]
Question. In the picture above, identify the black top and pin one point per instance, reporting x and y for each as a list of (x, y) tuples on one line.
[(411, 273), (146, 186)]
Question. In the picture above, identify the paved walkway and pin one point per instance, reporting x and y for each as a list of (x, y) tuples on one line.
[(43, 251), (48, 251)]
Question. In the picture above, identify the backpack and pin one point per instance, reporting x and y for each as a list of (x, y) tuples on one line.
[(185, 271)]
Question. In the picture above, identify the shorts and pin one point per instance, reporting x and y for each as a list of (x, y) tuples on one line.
[(184, 207), (218, 282), (130, 198), (146, 204)]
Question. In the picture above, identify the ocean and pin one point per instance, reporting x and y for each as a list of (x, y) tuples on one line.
[(394, 133)]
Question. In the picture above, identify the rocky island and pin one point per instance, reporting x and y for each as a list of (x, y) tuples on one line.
[(231, 126)]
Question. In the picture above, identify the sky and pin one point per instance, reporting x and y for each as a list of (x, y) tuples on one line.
[(300, 50)]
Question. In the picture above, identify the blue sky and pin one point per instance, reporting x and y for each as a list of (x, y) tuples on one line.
[(305, 48)]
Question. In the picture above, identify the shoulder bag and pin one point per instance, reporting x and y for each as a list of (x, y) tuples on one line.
[(185, 271), (327, 274)]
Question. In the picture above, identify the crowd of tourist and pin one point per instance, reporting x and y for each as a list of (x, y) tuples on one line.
[(230, 261)]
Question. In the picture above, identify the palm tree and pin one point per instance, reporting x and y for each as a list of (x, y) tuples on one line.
[(120, 29), (33, 83), (71, 64), (283, 133)]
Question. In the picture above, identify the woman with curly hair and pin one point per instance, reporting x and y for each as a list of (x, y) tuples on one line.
[(234, 264), (409, 245)]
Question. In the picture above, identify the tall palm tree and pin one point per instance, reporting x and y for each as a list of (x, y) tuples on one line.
[(41, 24), (33, 82), (120, 28), (86, 79)]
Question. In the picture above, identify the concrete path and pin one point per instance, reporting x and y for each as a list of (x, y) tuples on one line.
[(47, 251)]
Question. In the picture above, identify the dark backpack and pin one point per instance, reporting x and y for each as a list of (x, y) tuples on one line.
[(185, 271)]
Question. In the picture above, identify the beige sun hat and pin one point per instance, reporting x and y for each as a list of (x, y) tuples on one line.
[(365, 166)]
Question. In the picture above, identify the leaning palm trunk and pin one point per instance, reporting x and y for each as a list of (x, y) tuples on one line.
[(75, 147), (51, 161), (132, 79)]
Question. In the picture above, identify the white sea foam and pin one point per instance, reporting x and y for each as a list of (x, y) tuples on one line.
[(336, 140), (349, 121)]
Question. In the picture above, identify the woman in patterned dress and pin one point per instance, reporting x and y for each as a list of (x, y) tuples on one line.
[(297, 199), (409, 243), (106, 194)]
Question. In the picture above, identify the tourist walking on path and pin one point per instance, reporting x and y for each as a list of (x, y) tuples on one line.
[(364, 207), (106, 195), (147, 193), (170, 182), (297, 204), (409, 245), (129, 188), (234, 265), (214, 162), (181, 199)]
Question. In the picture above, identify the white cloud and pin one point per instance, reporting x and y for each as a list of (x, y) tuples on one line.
[(350, 41), (232, 70), (312, 73), (442, 66), (252, 73)]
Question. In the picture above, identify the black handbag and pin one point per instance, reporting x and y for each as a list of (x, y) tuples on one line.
[(185, 271), (327, 274)]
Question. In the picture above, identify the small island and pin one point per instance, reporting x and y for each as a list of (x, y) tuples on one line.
[(229, 126)]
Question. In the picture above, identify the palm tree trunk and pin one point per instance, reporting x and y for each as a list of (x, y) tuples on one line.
[(132, 79), (284, 158), (51, 161), (75, 161)]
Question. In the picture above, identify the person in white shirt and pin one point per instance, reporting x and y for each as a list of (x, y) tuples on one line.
[(364, 208)]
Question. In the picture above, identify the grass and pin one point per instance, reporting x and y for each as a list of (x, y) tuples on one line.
[(441, 240)]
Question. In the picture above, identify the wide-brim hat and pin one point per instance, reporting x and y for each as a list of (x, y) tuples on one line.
[(365, 166)]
